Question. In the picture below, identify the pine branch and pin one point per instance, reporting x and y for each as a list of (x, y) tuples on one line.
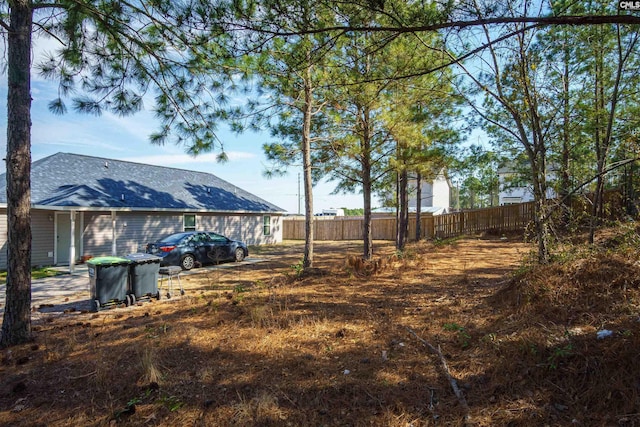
[(447, 372), (538, 20)]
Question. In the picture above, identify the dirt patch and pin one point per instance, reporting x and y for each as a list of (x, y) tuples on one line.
[(265, 345)]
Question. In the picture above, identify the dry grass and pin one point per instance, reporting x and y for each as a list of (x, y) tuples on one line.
[(264, 346)]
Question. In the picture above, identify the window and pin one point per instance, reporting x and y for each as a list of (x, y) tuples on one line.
[(214, 237), (200, 238), (266, 226), (189, 222)]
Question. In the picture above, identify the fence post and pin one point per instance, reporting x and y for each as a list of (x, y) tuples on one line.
[(433, 228)]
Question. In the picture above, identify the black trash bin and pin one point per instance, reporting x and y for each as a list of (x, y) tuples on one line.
[(108, 277), (143, 276)]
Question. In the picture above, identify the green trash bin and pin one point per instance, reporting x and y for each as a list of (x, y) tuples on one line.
[(108, 279), (143, 276)]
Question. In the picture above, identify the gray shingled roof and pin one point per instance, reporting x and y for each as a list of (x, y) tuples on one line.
[(74, 180)]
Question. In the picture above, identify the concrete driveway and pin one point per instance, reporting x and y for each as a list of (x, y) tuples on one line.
[(72, 292)]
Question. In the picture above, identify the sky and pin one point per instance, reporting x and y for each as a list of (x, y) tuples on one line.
[(113, 137)]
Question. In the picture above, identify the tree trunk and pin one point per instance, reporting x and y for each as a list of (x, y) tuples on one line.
[(16, 325), (367, 235), (542, 226), (366, 184), (307, 261), (398, 203), (418, 207), (599, 107), (541, 217), (403, 210)]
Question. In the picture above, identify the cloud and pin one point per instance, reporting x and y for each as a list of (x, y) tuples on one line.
[(61, 142), (139, 125), (173, 159), (240, 155)]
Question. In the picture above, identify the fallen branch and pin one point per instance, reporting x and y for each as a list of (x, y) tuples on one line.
[(452, 381), (83, 376)]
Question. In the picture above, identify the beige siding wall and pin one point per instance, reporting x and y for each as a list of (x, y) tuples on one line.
[(233, 227), (254, 230), (96, 234), (42, 242), (247, 228), (276, 229), (133, 231), (210, 223), (43, 238)]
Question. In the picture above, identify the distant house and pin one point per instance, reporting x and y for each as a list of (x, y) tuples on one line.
[(435, 197), (514, 188), (86, 206)]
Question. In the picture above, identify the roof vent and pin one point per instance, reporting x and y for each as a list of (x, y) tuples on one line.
[(122, 197), (106, 165)]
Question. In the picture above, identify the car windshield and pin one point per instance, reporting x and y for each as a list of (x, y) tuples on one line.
[(175, 238)]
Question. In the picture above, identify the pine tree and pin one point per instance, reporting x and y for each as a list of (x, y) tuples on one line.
[(114, 54)]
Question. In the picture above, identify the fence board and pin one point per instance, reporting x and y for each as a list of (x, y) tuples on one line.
[(349, 228)]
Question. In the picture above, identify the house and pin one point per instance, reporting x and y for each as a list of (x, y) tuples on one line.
[(435, 197), (516, 188), (333, 212), (86, 206), (391, 211)]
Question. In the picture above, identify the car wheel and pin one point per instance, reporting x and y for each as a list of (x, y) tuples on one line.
[(239, 254), (188, 261)]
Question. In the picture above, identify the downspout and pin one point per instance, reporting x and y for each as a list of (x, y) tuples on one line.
[(72, 244), (113, 233)]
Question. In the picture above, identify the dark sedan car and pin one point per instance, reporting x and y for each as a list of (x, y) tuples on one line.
[(192, 247)]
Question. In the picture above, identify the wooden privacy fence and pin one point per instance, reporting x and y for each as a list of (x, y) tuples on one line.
[(348, 228), (498, 219)]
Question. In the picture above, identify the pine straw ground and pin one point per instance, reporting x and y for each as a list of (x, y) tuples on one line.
[(259, 346)]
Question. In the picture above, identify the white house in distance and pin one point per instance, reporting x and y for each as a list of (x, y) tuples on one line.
[(513, 190), (435, 197)]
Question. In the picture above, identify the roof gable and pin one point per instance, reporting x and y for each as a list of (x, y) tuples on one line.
[(73, 180)]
